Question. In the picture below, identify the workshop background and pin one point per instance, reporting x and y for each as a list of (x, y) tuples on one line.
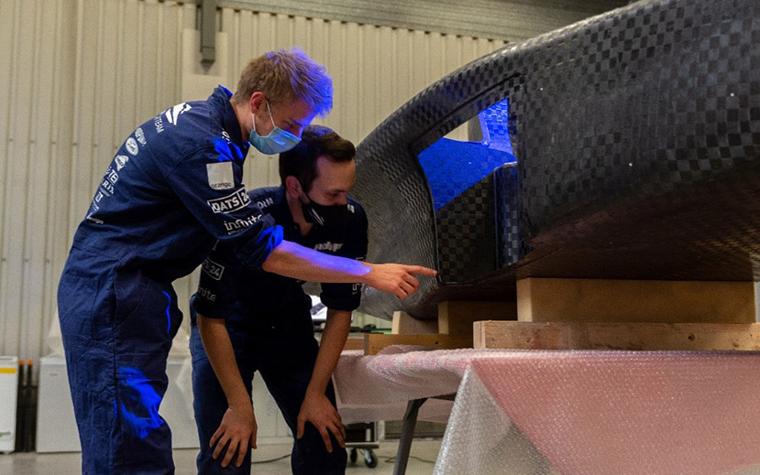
[(76, 76)]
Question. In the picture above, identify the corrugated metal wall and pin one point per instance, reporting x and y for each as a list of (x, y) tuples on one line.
[(76, 76)]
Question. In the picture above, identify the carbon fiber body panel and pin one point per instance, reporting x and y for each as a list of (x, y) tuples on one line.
[(637, 143)]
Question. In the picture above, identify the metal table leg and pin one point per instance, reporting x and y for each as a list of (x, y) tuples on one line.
[(407, 433)]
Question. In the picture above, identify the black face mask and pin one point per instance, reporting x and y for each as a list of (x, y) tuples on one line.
[(321, 215)]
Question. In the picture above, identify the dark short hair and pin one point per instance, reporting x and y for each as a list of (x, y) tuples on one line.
[(316, 140)]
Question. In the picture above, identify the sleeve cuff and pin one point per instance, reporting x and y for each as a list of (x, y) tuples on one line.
[(256, 251), (202, 306)]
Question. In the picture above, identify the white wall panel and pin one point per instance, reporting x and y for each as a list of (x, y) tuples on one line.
[(76, 76), (375, 69), (510, 20)]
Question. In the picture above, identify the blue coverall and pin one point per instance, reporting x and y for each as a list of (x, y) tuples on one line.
[(172, 190), (269, 322)]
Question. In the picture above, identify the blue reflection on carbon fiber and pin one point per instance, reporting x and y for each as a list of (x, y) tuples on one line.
[(452, 166)]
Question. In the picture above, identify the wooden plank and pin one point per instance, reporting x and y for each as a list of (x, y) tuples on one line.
[(374, 342), (405, 324), (456, 317), (617, 336), (551, 300), (354, 343)]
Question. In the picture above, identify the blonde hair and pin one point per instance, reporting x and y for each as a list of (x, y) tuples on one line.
[(285, 76)]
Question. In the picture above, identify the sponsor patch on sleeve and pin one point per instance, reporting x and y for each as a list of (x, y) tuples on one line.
[(220, 176), (229, 203), (207, 294), (213, 269), (233, 227)]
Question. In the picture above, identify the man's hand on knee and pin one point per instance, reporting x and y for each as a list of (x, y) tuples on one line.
[(318, 410), (237, 432)]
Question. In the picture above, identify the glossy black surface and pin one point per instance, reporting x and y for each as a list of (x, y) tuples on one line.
[(637, 138)]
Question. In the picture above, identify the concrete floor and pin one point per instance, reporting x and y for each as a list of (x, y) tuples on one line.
[(424, 452)]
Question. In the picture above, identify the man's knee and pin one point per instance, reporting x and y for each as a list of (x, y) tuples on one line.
[(208, 466), (310, 456)]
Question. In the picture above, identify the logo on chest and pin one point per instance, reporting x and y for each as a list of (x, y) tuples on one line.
[(328, 246), (265, 203)]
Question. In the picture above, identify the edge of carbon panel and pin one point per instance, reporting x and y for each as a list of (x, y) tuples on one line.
[(637, 135)]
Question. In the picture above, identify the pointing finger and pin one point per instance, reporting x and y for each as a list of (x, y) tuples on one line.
[(421, 270)]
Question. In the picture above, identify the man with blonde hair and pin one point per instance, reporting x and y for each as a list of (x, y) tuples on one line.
[(172, 190)]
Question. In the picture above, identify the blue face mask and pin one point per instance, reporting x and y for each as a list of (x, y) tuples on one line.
[(277, 141)]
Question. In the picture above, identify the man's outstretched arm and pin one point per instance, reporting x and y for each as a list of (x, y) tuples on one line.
[(292, 260)]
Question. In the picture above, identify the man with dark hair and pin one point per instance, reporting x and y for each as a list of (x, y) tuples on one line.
[(247, 321)]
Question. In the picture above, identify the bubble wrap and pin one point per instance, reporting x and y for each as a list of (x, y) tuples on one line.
[(605, 412), (575, 412), (372, 388), (480, 439)]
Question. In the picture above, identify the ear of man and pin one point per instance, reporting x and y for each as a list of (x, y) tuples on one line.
[(293, 187)]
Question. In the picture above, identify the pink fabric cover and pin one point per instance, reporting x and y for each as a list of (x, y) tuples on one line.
[(605, 412)]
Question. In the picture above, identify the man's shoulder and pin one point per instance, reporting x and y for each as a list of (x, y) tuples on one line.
[(194, 119), (192, 127), (265, 197)]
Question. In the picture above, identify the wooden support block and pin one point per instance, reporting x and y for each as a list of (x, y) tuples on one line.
[(405, 324), (617, 336), (456, 317), (588, 300), (354, 343), (374, 342)]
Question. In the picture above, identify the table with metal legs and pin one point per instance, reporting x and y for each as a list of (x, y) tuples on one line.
[(407, 431)]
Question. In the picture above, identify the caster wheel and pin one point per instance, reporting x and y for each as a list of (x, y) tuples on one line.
[(352, 456), (369, 458)]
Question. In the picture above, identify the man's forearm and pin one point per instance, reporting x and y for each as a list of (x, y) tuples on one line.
[(216, 341), (291, 260), (333, 340), (299, 262)]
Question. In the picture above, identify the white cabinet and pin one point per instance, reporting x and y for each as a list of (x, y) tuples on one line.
[(57, 430), (56, 426), (8, 394)]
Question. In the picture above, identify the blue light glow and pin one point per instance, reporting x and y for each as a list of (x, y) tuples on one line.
[(139, 402), (168, 315), (452, 166), (227, 150)]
